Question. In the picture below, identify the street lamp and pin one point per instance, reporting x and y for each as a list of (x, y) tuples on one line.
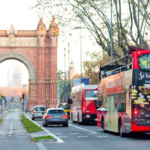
[(80, 53), (69, 85), (111, 35), (64, 74)]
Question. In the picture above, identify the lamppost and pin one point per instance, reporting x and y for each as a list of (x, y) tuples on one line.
[(64, 74), (69, 85), (111, 35), (80, 53)]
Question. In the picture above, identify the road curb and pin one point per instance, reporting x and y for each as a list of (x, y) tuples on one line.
[(47, 141), (58, 140)]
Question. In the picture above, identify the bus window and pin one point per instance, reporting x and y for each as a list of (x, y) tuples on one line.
[(91, 93), (122, 102), (144, 62)]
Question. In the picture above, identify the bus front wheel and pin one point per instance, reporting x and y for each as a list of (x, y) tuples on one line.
[(120, 129), (102, 125)]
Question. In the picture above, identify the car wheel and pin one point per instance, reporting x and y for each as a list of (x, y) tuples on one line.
[(33, 118), (43, 124), (65, 125), (120, 129)]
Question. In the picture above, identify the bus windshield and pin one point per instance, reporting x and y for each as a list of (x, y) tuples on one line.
[(64, 106), (91, 93), (144, 62)]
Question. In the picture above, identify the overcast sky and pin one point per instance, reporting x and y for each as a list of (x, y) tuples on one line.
[(19, 13)]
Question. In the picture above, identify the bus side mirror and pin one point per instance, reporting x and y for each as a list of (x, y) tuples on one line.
[(95, 102), (99, 103)]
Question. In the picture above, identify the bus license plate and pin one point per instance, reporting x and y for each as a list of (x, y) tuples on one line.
[(87, 116)]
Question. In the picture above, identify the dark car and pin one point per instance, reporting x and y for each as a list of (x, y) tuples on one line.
[(38, 112), (55, 116), (66, 108)]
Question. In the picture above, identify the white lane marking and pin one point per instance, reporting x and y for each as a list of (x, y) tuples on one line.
[(57, 133), (49, 133), (83, 129), (74, 133), (101, 136), (11, 125), (21, 137), (92, 133), (81, 136), (41, 146), (62, 136)]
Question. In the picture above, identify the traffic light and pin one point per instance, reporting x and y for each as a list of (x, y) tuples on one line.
[(47, 99), (23, 95), (2, 97), (20, 98)]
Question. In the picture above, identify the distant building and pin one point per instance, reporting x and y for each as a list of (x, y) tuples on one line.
[(72, 71), (14, 75)]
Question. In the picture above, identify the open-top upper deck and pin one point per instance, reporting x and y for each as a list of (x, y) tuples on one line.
[(119, 65)]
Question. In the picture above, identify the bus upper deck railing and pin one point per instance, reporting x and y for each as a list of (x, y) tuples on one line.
[(117, 70)]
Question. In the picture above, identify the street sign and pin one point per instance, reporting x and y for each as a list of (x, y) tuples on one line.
[(4, 98), (0, 102), (84, 80)]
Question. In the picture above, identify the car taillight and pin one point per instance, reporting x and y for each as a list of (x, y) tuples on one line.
[(65, 116), (33, 111), (48, 117)]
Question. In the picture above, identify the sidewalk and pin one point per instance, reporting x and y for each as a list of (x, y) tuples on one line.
[(13, 136)]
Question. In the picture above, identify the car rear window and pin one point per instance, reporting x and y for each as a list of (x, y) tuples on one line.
[(40, 108), (55, 112)]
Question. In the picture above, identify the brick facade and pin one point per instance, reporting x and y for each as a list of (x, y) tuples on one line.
[(37, 49)]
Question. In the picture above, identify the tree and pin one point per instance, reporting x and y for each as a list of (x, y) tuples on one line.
[(63, 91), (91, 66), (128, 27)]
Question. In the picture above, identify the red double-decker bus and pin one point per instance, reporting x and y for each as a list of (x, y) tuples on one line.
[(124, 93), (83, 103)]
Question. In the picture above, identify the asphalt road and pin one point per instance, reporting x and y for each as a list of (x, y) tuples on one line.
[(13, 136), (89, 137)]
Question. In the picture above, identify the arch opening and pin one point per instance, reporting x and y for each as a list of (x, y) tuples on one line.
[(22, 58)]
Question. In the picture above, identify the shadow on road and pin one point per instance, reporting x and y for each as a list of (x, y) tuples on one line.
[(89, 124), (137, 136)]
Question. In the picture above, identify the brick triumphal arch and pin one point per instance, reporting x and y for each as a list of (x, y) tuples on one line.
[(37, 50)]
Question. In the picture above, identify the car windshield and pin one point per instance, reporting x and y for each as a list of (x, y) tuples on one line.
[(40, 109), (55, 112), (64, 106), (91, 93)]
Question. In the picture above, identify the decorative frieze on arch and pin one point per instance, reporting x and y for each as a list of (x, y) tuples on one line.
[(22, 58)]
